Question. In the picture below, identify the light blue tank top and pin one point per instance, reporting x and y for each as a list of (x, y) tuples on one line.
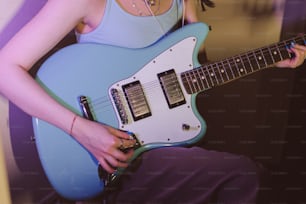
[(120, 28)]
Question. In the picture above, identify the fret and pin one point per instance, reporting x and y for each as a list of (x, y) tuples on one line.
[(284, 50), (201, 78), (239, 69), (234, 67), (275, 54), (195, 81), (223, 72), (280, 53), (254, 61), (296, 41), (260, 59), (301, 40), (228, 67), (268, 56), (249, 62), (250, 57), (208, 75), (217, 73), (187, 82), (204, 77), (245, 64), (291, 42), (212, 74), (264, 58), (191, 81)]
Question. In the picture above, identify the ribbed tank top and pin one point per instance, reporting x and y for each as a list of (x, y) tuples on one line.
[(120, 28)]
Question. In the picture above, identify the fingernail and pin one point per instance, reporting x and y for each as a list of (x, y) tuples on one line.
[(292, 44)]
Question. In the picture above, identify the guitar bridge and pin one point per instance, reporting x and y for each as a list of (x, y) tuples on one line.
[(119, 106)]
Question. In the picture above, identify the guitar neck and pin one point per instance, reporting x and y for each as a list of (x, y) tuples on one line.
[(229, 69)]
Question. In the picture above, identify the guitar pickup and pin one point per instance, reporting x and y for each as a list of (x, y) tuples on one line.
[(171, 88), (137, 101)]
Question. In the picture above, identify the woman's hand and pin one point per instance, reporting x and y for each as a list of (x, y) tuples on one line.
[(104, 142), (298, 59)]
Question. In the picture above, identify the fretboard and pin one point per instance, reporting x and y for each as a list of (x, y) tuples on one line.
[(218, 73)]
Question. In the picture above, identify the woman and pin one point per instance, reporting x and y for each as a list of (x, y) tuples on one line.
[(182, 174)]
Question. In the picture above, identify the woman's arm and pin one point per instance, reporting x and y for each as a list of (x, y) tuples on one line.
[(43, 32), (191, 11), (34, 40)]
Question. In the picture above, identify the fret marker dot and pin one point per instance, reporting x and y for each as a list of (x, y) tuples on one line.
[(241, 70), (237, 60), (259, 57), (222, 70), (211, 74), (275, 53)]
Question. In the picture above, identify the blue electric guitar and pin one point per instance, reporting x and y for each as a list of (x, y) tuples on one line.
[(150, 92)]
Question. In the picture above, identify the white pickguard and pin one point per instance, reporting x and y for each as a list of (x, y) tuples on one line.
[(170, 121)]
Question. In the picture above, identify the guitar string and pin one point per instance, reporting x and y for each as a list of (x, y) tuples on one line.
[(229, 67), (147, 90), (265, 50), (232, 62), (213, 76), (154, 84), (104, 103), (212, 80), (209, 68), (280, 48), (147, 85)]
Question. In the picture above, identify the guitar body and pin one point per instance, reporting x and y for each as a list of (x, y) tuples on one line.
[(109, 75)]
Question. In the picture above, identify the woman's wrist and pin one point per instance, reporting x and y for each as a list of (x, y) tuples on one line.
[(78, 128), (72, 123)]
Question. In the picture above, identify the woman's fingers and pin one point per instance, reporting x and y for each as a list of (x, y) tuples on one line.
[(124, 139), (119, 133), (110, 146), (123, 144), (117, 160), (298, 59)]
